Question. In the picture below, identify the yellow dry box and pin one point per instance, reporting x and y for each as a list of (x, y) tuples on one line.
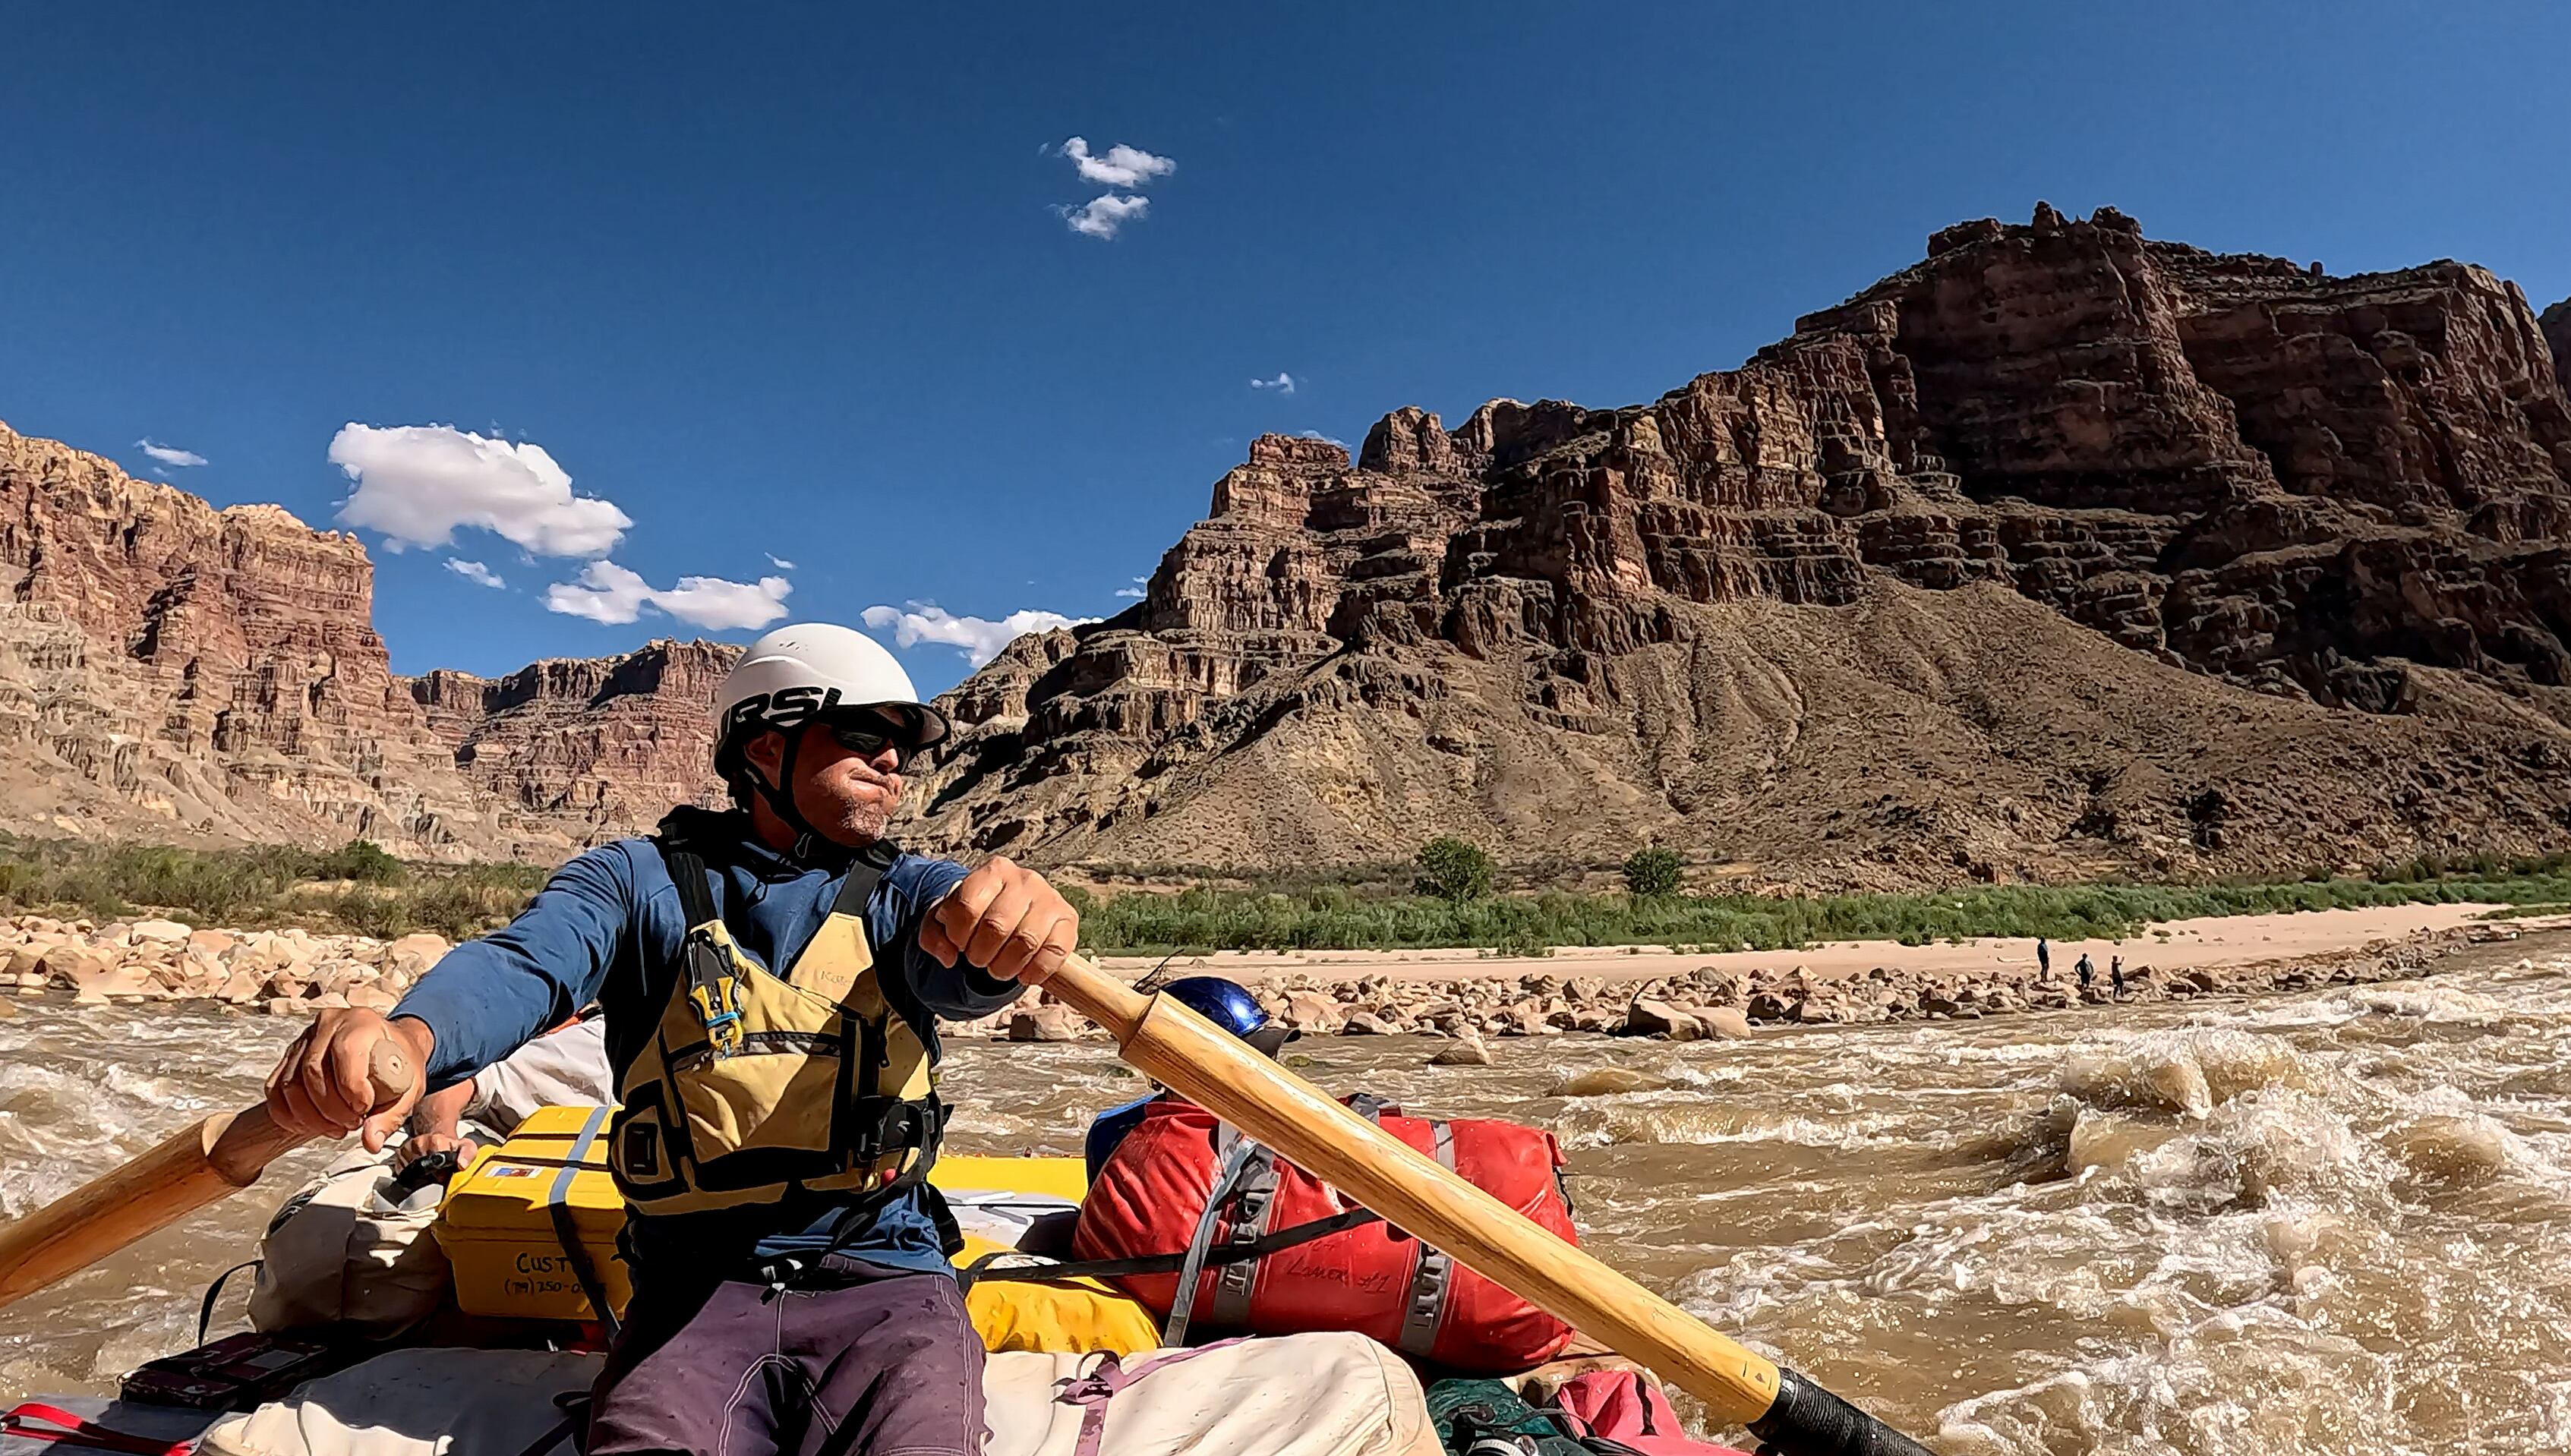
[(507, 1218)]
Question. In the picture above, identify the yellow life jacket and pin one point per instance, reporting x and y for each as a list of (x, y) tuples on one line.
[(757, 1086)]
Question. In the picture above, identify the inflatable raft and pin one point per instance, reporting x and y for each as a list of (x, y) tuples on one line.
[(519, 1253)]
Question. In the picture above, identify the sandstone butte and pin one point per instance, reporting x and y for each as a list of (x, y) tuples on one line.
[(2064, 552)]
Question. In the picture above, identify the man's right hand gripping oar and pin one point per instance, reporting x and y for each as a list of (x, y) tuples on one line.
[(322, 1088)]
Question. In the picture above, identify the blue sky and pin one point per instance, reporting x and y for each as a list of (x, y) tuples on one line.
[(796, 283)]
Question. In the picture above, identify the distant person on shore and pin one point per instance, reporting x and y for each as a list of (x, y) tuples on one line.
[(2115, 975), (2088, 972), (2043, 957)]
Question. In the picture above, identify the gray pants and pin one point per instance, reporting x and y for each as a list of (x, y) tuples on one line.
[(856, 1362)]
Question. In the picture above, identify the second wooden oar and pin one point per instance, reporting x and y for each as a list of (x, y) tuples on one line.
[(212, 1158), (1185, 1052)]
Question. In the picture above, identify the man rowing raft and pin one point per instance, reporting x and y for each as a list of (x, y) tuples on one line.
[(771, 979)]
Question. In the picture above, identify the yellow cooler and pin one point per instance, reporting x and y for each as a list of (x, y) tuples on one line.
[(512, 1218), (518, 1224)]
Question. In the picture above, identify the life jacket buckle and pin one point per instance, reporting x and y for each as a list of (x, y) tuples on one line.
[(719, 1007), (715, 991)]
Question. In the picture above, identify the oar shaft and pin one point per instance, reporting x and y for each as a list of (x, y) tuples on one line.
[(207, 1160), (1222, 1075), (155, 1191)]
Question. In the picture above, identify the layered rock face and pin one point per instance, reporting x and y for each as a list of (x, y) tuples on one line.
[(169, 669), (2062, 551), (2557, 332), (599, 747), (173, 666)]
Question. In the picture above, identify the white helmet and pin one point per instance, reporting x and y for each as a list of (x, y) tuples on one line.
[(796, 673)]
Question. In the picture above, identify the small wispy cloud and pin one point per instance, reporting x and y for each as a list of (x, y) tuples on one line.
[(1324, 439), (781, 563), (1103, 214), (170, 455), (1135, 591), (1284, 384), (474, 572), (978, 638), (1122, 166), (606, 591)]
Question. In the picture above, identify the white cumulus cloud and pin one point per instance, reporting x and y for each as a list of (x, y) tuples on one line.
[(1103, 214), (1324, 439), (606, 591), (168, 454), (1284, 384), (419, 483), (1122, 166), (978, 638), (474, 572)]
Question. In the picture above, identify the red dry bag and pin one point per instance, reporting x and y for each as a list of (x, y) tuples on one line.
[(1183, 1186)]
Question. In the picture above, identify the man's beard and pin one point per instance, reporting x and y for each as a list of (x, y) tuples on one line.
[(864, 817), (865, 823)]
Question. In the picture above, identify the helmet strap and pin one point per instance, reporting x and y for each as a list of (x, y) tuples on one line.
[(780, 798)]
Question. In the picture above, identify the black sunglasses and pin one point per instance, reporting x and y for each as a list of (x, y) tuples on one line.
[(871, 734)]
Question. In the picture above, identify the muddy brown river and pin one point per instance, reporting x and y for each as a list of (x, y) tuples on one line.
[(2334, 1222)]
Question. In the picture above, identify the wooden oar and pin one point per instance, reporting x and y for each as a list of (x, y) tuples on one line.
[(214, 1158), (1183, 1051)]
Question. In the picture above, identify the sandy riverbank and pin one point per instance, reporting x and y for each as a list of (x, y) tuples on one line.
[(2177, 945)]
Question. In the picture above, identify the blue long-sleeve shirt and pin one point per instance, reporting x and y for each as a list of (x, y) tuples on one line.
[(607, 928)]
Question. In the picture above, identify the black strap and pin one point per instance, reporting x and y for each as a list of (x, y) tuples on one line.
[(574, 1405), (924, 1121), (701, 961), (567, 1230), (688, 871), (858, 888), (1160, 1264), (554, 1434), (205, 1312)]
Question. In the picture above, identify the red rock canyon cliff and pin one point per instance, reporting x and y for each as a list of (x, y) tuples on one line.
[(172, 671), (2062, 552)]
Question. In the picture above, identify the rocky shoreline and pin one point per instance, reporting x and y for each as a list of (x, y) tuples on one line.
[(296, 973), (1712, 1003)]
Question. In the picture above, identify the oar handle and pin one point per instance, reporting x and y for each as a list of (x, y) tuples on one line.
[(209, 1159), (1185, 1052), (245, 1147)]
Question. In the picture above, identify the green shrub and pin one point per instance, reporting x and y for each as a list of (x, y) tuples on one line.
[(1454, 869), (1653, 872), (362, 861), (362, 888)]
